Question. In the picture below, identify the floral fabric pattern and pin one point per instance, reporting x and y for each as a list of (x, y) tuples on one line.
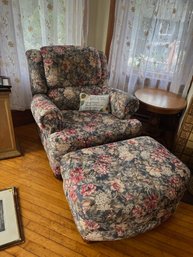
[(104, 67), (79, 66), (68, 98), (37, 75), (59, 74), (48, 117), (121, 189), (85, 129), (122, 104)]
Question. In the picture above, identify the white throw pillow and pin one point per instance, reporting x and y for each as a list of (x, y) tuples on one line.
[(98, 103)]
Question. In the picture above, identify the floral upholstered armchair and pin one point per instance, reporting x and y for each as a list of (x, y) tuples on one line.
[(60, 75)]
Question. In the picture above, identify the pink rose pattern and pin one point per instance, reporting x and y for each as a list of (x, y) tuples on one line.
[(122, 104), (85, 70), (77, 175), (48, 117), (88, 189), (58, 75), (91, 225), (74, 65), (107, 129), (138, 199)]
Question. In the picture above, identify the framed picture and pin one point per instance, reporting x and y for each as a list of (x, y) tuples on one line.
[(11, 232), (5, 82)]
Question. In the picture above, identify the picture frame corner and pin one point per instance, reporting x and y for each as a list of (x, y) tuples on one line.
[(10, 197)]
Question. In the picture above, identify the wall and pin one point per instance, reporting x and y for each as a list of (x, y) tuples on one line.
[(184, 142), (98, 23)]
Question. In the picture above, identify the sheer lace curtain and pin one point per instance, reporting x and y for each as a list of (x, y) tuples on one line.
[(26, 24), (152, 45)]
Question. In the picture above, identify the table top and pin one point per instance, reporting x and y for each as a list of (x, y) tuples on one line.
[(5, 88), (161, 101)]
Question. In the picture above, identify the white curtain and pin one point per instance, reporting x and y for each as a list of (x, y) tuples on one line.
[(27, 24), (152, 45)]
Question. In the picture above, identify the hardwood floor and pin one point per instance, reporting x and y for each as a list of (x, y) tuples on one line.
[(48, 224)]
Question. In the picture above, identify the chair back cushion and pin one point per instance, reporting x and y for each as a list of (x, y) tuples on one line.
[(70, 66), (63, 72)]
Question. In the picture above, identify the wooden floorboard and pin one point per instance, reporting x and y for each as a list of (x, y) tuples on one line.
[(48, 224)]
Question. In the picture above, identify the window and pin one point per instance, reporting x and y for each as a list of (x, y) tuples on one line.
[(152, 42)]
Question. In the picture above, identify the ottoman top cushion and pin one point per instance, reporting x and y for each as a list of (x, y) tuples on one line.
[(132, 159)]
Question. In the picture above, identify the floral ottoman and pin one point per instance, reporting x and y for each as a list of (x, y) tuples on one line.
[(121, 189)]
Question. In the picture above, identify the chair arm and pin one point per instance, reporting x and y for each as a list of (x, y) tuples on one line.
[(122, 104), (46, 114)]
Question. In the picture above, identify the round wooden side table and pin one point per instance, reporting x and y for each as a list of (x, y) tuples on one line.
[(160, 101), (163, 106)]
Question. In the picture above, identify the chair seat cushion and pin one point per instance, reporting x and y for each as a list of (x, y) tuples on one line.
[(85, 129), (121, 189), (98, 121)]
